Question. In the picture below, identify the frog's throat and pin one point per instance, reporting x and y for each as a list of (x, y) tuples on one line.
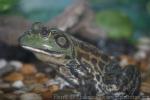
[(43, 52)]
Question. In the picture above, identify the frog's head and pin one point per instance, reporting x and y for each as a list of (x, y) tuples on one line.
[(49, 45)]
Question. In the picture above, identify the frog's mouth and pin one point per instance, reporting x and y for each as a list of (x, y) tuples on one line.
[(47, 55), (44, 51)]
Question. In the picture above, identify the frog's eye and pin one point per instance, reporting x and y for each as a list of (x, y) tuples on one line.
[(62, 41)]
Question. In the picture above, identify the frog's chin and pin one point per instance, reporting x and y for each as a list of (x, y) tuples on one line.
[(45, 56)]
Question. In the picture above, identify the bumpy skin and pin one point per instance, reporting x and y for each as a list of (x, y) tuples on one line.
[(81, 64)]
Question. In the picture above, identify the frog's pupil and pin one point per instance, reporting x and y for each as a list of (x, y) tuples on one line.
[(62, 41)]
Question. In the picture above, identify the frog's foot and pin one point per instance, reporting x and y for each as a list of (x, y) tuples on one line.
[(131, 80), (87, 87)]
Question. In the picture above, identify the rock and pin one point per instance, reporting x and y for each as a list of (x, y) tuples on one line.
[(2, 63), (53, 88), (30, 79), (70, 16), (30, 96), (18, 84), (140, 55), (41, 78), (8, 96), (50, 91), (127, 60), (6, 88), (28, 69), (16, 64), (144, 43), (5, 67), (37, 88), (58, 81), (14, 77), (11, 27), (47, 95), (5, 85), (20, 91), (145, 87)]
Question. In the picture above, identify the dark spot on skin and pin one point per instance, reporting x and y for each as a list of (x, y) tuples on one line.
[(94, 61), (89, 48)]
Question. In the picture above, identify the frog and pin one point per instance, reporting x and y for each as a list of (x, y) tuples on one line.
[(81, 64)]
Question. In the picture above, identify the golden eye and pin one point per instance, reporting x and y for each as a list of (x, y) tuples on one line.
[(62, 41)]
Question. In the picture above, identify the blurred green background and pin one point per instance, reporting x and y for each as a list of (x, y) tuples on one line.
[(119, 18)]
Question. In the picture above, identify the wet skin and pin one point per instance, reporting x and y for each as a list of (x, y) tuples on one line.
[(81, 64)]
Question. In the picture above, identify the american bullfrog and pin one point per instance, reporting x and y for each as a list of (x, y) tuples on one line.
[(81, 64)]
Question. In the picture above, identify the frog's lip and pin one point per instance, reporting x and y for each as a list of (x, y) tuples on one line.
[(46, 52)]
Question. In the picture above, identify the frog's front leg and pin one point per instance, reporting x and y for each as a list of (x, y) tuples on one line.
[(85, 79)]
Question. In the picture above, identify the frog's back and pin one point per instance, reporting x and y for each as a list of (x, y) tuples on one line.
[(106, 73), (88, 51)]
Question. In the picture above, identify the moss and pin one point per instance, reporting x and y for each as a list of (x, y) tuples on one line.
[(114, 23), (7, 5)]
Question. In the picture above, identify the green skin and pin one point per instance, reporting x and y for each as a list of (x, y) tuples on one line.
[(57, 47), (43, 43)]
